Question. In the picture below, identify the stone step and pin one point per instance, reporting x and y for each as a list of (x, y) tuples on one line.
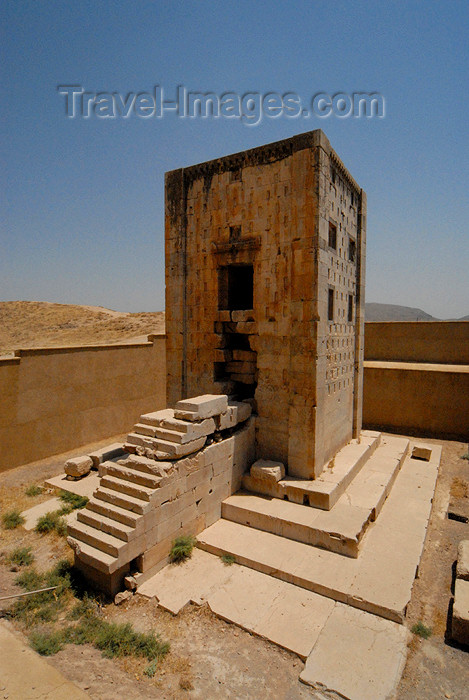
[(147, 466), (128, 474), (96, 538), (340, 529), (326, 490), (93, 557), (379, 581), (121, 515), (113, 483), (122, 500), (101, 522)]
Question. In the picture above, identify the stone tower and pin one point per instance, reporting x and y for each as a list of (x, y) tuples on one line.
[(265, 274)]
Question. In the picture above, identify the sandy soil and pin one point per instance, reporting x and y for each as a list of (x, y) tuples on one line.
[(210, 658), (26, 324)]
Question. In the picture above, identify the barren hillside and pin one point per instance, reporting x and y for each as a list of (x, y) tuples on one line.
[(26, 324)]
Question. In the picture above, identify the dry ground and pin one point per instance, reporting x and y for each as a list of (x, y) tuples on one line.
[(210, 658), (26, 324)]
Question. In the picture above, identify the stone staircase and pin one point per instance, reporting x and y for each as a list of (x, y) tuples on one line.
[(182, 464), (355, 497)]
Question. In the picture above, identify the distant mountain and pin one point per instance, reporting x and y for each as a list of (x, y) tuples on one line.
[(463, 318), (394, 312)]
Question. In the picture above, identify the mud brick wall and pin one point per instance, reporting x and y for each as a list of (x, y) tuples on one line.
[(257, 224)]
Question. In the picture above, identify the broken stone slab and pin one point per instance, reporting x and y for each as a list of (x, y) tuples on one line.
[(156, 417), (462, 566), (237, 412), (191, 429), (78, 466), (267, 470), (357, 656), (200, 407), (116, 449), (130, 582), (172, 450), (460, 620), (422, 453), (144, 429)]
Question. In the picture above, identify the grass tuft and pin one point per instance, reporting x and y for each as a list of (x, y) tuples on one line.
[(421, 630), (72, 501), (466, 456), (228, 559), (47, 643), (22, 556), (151, 669), (33, 490), (12, 519), (50, 522), (182, 548), (120, 639)]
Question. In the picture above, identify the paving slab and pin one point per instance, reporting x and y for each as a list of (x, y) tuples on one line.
[(82, 487), (357, 655), (286, 615), (27, 676), (32, 515), (191, 581)]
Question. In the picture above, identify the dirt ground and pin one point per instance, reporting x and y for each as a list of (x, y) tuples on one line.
[(210, 658), (26, 324)]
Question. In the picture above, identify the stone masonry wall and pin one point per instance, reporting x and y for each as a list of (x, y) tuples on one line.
[(270, 208)]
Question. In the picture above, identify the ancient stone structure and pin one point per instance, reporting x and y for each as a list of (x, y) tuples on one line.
[(265, 255)]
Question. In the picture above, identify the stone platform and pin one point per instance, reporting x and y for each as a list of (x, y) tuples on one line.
[(379, 581), (342, 526)]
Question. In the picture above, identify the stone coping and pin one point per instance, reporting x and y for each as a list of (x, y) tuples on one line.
[(416, 366)]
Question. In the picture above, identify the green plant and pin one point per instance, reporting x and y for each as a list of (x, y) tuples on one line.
[(72, 501), (46, 643), (466, 456), (421, 630), (228, 559), (51, 521), (181, 548), (120, 639), (33, 490), (151, 669), (21, 556), (12, 519)]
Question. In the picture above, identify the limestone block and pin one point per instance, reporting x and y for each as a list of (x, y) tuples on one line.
[(267, 470), (191, 429), (105, 453), (462, 566), (143, 429), (237, 412), (173, 450), (156, 417), (201, 407), (78, 466), (460, 621)]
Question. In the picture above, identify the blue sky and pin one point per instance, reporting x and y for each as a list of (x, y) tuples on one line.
[(83, 199)]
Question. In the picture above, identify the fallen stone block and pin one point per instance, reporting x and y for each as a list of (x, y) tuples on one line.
[(122, 597), (267, 470), (78, 466), (200, 407), (462, 566), (460, 620)]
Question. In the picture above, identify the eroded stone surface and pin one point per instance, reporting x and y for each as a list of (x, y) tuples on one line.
[(267, 470), (462, 566), (78, 466), (357, 655), (460, 620)]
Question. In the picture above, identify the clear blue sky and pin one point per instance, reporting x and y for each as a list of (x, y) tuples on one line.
[(83, 199)]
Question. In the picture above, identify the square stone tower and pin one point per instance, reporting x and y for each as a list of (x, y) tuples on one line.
[(265, 274)]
